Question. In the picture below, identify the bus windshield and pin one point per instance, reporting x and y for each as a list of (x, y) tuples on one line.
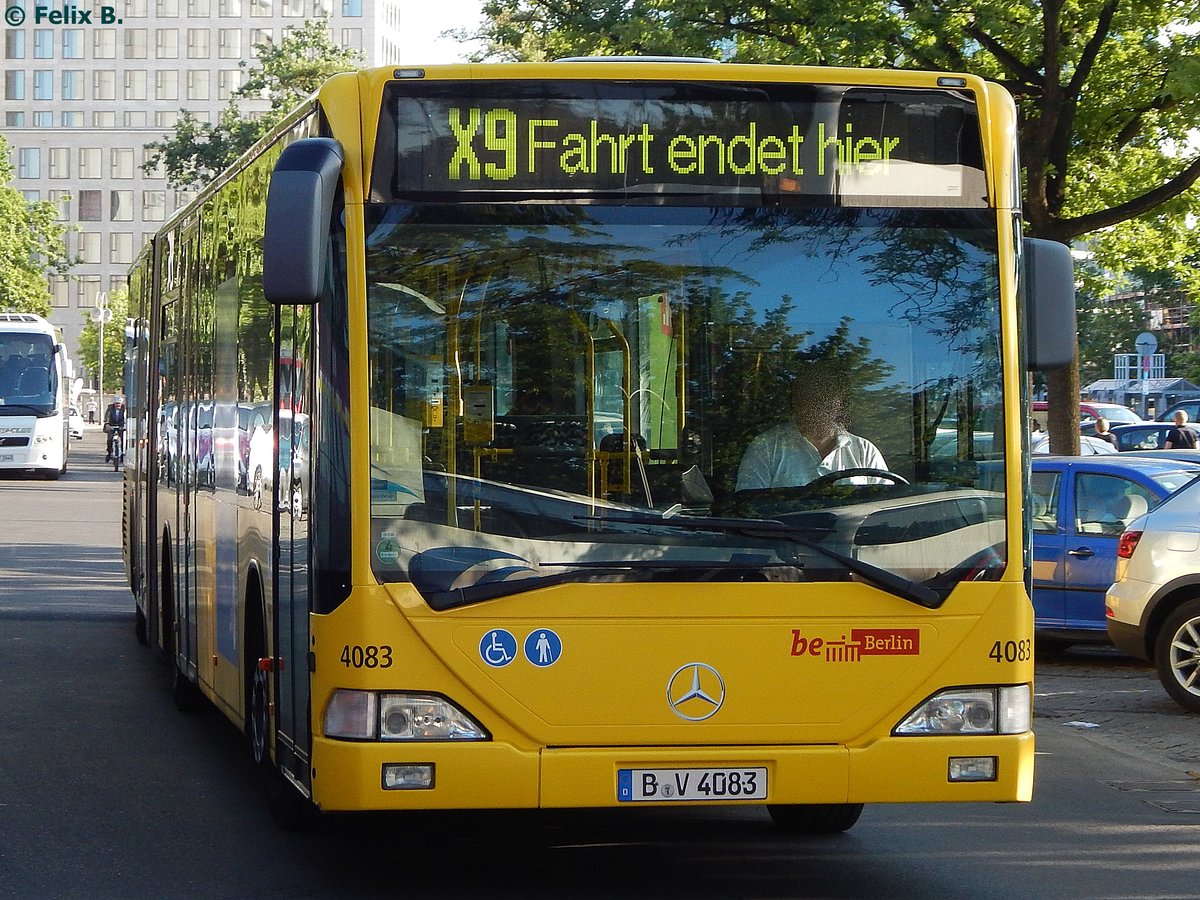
[(557, 388), (28, 378)]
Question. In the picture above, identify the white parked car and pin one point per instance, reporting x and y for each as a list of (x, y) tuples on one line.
[(1088, 446), (1153, 608), (74, 423)]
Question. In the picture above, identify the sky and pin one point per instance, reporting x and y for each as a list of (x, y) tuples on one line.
[(424, 20)]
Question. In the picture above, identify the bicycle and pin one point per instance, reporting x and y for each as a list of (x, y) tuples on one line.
[(117, 438)]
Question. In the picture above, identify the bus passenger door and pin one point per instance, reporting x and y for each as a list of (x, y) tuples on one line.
[(293, 449)]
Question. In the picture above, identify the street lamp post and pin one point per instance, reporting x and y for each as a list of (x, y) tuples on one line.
[(101, 315)]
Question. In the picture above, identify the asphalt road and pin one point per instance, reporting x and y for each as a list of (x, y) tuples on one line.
[(107, 791)]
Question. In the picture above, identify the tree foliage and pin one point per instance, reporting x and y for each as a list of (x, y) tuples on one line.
[(114, 342), (1108, 93), (286, 74), (32, 242)]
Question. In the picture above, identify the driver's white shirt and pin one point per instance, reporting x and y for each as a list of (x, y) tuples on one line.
[(783, 457)]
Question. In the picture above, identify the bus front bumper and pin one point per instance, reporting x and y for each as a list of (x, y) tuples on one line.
[(351, 776)]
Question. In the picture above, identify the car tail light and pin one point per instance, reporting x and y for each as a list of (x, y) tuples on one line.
[(1127, 544)]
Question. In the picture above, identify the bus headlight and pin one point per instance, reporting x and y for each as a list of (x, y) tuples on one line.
[(979, 710), (373, 716)]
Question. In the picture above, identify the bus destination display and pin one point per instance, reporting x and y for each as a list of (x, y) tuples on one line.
[(847, 144)]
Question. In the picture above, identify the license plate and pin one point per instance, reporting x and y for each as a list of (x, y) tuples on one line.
[(691, 785), (7, 457)]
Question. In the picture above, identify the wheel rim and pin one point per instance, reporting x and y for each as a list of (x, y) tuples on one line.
[(258, 716), (1185, 656)]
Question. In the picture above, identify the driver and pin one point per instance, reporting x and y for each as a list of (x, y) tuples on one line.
[(812, 443)]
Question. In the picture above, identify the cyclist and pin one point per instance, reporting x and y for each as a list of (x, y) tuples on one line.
[(114, 424)]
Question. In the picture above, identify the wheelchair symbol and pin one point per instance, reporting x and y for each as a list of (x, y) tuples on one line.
[(498, 648)]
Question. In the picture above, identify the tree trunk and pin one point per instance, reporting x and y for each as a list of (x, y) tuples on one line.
[(1062, 419)]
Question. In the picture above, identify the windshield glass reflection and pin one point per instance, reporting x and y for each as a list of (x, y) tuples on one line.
[(538, 372)]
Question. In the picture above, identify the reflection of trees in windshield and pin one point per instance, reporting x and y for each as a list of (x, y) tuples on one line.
[(897, 302)]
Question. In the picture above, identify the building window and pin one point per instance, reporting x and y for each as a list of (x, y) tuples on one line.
[(29, 162), (87, 288), (60, 292), (199, 9), (136, 9), (228, 81), (89, 206), (261, 37), (165, 9), (166, 43), (43, 84), (229, 8), (72, 43), (104, 84), (62, 204), (135, 43), (31, 196), (166, 118), (166, 84), (104, 118), (135, 118), (120, 247), (60, 162), (14, 84), (322, 9), (121, 162), (43, 118), (104, 43), (352, 8), (154, 206), (291, 9), (261, 9), (198, 84), (352, 37), (72, 84), (197, 39), (43, 43), (120, 206), (89, 162), (229, 43), (72, 119), (135, 84), (89, 246), (15, 118), (14, 43)]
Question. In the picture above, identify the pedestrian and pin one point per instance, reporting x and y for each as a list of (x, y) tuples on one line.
[(1103, 433), (1181, 436), (91, 409)]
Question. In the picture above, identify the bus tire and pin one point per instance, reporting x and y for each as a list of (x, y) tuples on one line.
[(140, 629), (815, 818), (52, 474)]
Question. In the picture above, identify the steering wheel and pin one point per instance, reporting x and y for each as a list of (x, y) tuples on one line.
[(862, 472)]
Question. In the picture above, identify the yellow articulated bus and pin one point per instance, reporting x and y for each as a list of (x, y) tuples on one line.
[(602, 433)]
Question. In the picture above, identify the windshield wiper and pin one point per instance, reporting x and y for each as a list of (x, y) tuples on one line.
[(449, 598), (894, 584)]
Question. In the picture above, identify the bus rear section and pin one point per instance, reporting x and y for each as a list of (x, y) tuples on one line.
[(33, 406)]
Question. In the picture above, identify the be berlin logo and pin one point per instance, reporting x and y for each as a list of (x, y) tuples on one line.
[(65, 15)]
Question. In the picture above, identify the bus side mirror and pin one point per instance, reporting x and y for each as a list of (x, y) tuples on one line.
[(1049, 281), (299, 206)]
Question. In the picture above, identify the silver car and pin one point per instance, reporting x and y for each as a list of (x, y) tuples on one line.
[(1153, 608)]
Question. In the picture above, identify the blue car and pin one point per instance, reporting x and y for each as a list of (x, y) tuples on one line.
[(1145, 435), (1080, 506)]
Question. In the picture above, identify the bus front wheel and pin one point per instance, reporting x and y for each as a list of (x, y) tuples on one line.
[(815, 818)]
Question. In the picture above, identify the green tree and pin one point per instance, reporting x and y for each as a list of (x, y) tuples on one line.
[(114, 343), (1106, 329), (32, 243), (286, 74), (1108, 93)]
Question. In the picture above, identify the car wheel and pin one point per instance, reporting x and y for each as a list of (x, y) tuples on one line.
[(1177, 655)]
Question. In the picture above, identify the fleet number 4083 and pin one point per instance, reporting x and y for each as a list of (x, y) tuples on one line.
[(1011, 651)]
